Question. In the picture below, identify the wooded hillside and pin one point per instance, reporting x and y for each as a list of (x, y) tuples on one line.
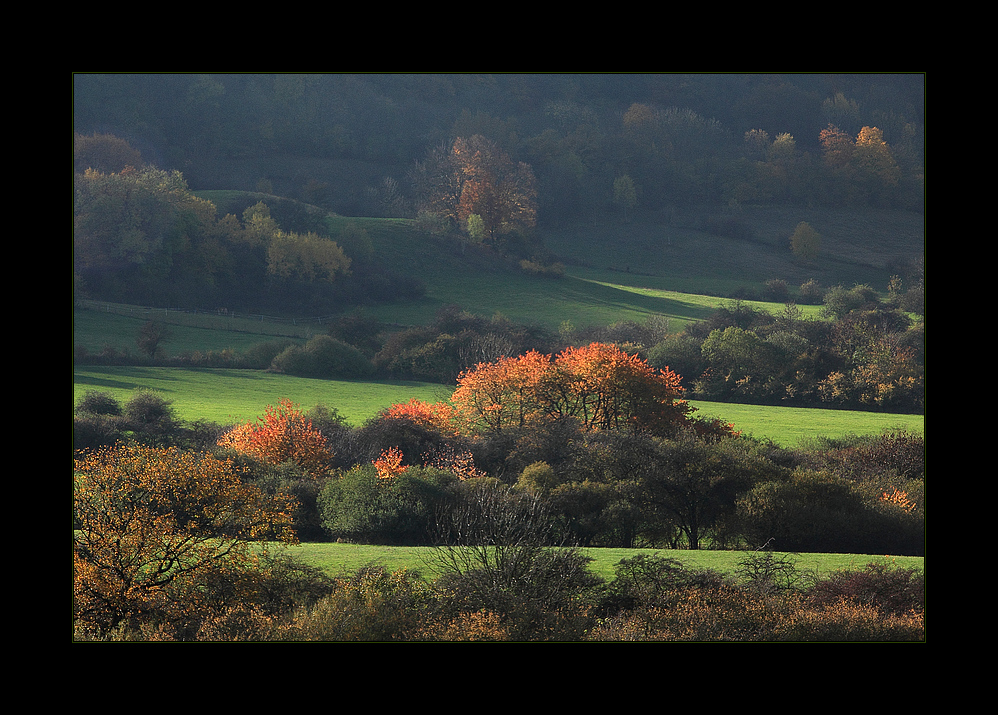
[(349, 142)]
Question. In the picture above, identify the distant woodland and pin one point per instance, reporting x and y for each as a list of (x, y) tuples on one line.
[(496, 159), (349, 142)]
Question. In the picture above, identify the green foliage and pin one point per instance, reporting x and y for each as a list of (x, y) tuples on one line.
[(840, 301), (695, 484), (805, 242), (818, 511), (360, 506), (538, 478), (323, 357)]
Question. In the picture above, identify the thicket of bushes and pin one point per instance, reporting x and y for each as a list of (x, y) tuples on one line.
[(548, 595), (508, 511)]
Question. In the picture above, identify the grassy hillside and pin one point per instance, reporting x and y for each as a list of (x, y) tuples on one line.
[(620, 271), (683, 251), (691, 251)]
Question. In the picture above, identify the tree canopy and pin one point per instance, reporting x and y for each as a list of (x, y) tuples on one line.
[(156, 526), (599, 385)]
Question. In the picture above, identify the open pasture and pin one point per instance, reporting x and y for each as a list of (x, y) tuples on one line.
[(345, 558)]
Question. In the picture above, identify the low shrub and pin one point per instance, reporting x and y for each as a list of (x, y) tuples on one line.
[(323, 357), (371, 605), (889, 589), (95, 402), (537, 594)]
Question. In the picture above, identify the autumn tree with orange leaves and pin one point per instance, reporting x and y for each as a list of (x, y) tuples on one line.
[(438, 416), (283, 434), (600, 385), (157, 530), (475, 185)]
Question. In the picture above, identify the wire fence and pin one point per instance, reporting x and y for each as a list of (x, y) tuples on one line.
[(214, 319), (138, 311)]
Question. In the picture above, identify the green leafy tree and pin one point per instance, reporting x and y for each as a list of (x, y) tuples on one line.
[(805, 242), (476, 228), (625, 194), (696, 482)]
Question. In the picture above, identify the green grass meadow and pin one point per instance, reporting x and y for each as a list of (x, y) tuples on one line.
[(232, 396), (346, 558)]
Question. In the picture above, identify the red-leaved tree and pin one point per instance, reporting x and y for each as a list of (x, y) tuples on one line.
[(600, 385), (283, 434)]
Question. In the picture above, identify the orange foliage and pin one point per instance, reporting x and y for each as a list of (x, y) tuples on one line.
[(283, 434), (600, 385), (501, 394), (460, 463), (438, 416), (154, 525), (898, 499), (389, 464)]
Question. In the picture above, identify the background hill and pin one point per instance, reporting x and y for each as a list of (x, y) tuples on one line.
[(723, 168), (334, 139)]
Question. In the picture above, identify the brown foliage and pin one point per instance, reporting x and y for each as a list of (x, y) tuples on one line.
[(156, 527)]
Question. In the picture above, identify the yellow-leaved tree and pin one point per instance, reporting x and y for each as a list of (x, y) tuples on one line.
[(305, 257), (165, 537), (805, 242)]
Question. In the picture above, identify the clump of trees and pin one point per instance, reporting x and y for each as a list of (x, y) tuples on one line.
[(868, 354), (163, 536), (141, 236), (681, 138), (607, 444)]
